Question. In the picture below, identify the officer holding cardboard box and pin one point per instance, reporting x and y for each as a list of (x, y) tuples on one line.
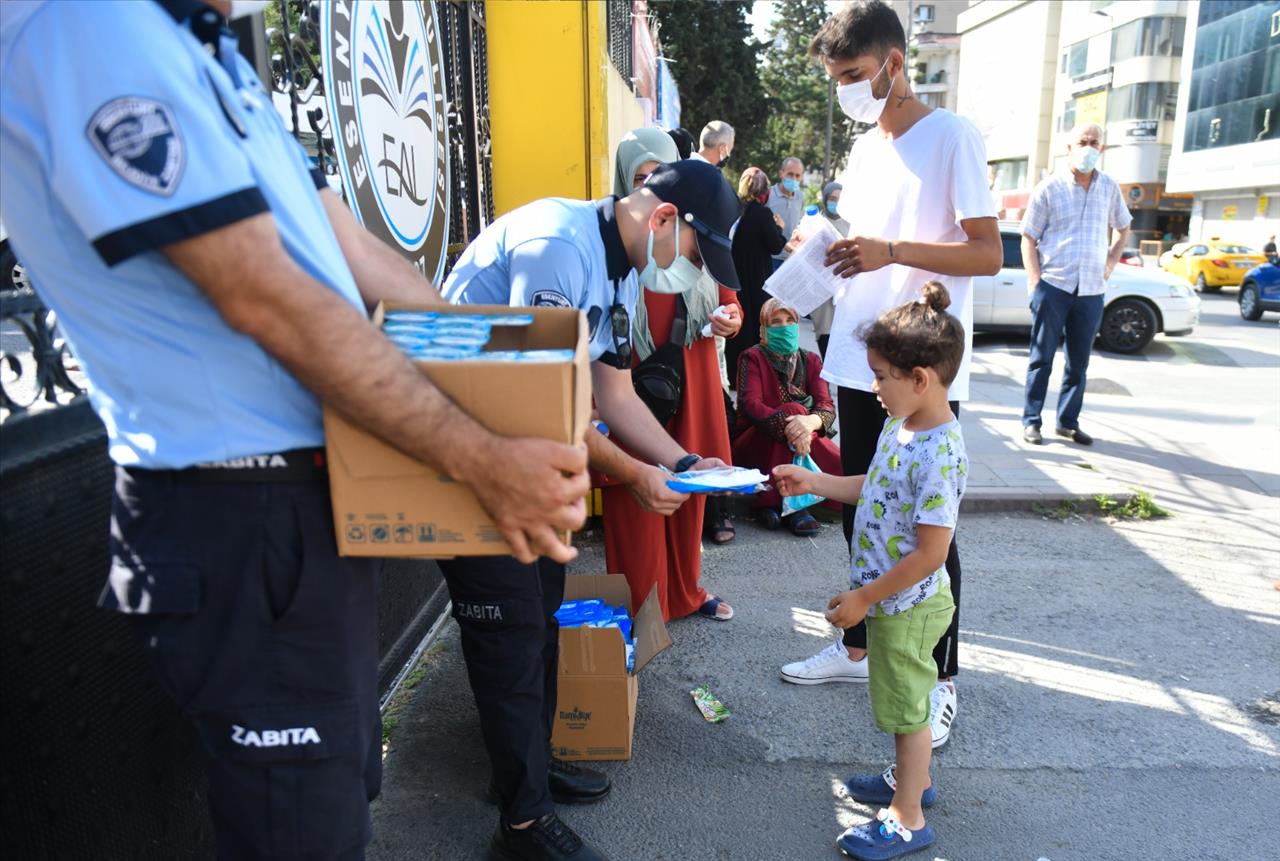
[(595, 256), (195, 262)]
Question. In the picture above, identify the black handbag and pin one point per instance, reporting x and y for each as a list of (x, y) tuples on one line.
[(659, 379)]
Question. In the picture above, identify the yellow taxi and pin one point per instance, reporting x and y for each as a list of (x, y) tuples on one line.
[(1211, 265)]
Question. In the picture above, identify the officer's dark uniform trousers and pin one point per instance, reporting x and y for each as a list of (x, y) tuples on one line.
[(511, 642), (268, 641)]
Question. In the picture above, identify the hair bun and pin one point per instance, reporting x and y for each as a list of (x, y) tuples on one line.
[(936, 296)]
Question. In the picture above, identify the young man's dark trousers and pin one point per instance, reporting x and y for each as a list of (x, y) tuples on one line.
[(861, 420), (1060, 317), (511, 642)]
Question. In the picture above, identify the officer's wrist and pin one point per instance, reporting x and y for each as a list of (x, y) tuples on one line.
[(686, 463)]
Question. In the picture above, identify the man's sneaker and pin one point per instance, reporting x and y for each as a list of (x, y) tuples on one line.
[(832, 664), (942, 712), (547, 839)]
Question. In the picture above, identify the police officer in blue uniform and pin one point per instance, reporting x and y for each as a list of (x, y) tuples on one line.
[(215, 296), (595, 256)]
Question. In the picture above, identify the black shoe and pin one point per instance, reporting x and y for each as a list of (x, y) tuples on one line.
[(571, 784), (1075, 435), (547, 839), (1031, 433)]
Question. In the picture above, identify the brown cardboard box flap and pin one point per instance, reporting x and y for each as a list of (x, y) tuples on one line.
[(650, 631), (612, 588)]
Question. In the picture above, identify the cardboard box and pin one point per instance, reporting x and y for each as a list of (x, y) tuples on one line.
[(596, 703), (385, 503)]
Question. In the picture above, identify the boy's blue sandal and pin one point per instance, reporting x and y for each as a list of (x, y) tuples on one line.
[(879, 788), (883, 839)]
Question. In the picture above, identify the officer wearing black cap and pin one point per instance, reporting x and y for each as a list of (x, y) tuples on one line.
[(595, 256), (215, 293)]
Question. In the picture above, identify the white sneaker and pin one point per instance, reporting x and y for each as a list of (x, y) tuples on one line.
[(832, 664), (942, 712)]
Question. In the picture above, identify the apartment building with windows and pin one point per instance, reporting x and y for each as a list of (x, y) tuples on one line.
[(1226, 137)]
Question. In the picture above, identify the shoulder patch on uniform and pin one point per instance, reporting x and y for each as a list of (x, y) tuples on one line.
[(550, 299), (139, 139)]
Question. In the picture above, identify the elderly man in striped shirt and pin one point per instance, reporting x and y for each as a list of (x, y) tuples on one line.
[(1068, 261)]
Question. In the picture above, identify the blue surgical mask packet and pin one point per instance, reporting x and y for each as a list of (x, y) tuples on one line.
[(792, 504), (596, 613)]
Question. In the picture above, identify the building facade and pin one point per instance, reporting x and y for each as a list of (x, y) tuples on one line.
[(1119, 65), (1226, 137), (933, 48)]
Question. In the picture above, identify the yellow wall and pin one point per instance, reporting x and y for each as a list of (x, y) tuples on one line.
[(557, 106)]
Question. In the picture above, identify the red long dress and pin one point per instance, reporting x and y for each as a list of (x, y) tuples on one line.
[(760, 439), (649, 548)]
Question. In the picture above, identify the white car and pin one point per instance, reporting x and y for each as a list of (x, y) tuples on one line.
[(1140, 302)]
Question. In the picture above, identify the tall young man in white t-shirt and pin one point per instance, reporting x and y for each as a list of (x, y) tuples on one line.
[(923, 211)]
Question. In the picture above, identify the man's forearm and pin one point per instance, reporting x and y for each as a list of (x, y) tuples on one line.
[(948, 258), (380, 272), (631, 422), (606, 457), (1117, 247), (1031, 260)]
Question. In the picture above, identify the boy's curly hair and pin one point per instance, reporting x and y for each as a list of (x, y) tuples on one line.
[(919, 334)]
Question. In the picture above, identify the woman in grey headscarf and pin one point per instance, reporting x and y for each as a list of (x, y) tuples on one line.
[(822, 315), (639, 153)]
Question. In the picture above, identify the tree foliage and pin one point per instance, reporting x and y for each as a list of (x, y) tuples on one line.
[(715, 61), (771, 92)]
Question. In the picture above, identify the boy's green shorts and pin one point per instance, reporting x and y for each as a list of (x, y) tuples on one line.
[(900, 662)]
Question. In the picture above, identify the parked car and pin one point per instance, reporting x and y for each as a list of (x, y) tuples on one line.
[(1260, 290), (1210, 265), (1139, 303), (12, 274)]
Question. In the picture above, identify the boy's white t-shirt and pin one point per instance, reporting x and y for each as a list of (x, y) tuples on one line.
[(919, 187)]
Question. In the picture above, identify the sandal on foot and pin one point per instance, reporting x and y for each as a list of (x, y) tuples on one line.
[(769, 519), (883, 838), (721, 530), (711, 609), (802, 524), (879, 788)]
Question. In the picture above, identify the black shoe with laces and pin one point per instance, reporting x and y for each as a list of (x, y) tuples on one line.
[(1075, 435), (547, 839)]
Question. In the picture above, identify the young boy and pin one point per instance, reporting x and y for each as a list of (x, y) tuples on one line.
[(907, 505)]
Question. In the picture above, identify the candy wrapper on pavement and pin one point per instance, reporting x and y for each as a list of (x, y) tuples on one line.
[(709, 704)]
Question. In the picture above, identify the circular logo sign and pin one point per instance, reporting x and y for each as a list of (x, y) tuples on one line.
[(384, 83)]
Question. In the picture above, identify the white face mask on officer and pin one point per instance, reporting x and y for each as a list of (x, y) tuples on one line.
[(680, 276), (241, 8), (859, 102)]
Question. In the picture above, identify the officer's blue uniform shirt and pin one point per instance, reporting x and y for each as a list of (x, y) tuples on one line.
[(551, 253), (122, 132)]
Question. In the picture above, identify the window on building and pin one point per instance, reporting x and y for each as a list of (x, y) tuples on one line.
[(1008, 174), (924, 14), (1148, 37), (1075, 59), (1150, 100), (1235, 77), (1068, 119)]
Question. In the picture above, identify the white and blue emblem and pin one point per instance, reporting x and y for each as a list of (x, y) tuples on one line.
[(139, 139), (549, 299)]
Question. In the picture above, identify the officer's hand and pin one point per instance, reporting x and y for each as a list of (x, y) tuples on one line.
[(534, 488), (651, 491)]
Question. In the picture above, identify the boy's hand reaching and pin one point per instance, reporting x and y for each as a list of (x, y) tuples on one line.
[(847, 609), (792, 480)]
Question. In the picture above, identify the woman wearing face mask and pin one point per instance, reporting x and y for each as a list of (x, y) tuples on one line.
[(646, 547), (758, 237), (822, 315), (784, 410)]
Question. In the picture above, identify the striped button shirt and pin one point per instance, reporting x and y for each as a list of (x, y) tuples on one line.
[(1069, 224)]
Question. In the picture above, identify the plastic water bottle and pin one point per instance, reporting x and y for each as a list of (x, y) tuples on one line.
[(810, 224)]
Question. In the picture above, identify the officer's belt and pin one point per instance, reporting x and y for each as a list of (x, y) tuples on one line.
[(299, 464)]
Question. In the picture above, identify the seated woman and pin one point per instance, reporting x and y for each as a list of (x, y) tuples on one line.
[(784, 409)]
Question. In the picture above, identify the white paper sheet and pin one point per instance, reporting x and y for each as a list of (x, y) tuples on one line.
[(802, 281)]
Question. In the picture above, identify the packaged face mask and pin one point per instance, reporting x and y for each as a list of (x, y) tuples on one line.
[(792, 504)]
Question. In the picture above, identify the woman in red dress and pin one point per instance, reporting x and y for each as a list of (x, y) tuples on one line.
[(647, 548), (784, 409)]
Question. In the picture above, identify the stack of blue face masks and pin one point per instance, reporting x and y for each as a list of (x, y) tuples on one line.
[(595, 613), (430, 336)]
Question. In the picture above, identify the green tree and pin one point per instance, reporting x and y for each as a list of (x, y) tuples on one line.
[(715, 61), (797, 92)]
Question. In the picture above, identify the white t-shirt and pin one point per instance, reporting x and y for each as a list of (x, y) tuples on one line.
[(919, 186)]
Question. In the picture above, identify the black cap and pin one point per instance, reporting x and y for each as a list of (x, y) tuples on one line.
[(708, 205)]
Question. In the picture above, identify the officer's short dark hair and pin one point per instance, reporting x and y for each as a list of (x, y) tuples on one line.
[(861, 27)]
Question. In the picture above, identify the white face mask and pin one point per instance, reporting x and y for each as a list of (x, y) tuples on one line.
[(680, 277), (1084, 158), (859, 103), (241, 8)]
